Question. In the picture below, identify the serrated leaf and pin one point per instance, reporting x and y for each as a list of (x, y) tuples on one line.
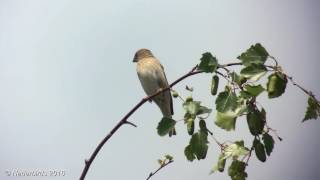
[(254, 72), (276, 85), (214, 85), (235, 150), (254, 90), (189, 153), (268, 143), (313, 109), (226, 120), (165, 126), (256, 121), (208, 63), (237, 170), (237, 78), (256, 54), (198, 143), (259, 149), (226, 101)]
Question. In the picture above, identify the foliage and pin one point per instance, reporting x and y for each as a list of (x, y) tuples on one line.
[(237, 99)]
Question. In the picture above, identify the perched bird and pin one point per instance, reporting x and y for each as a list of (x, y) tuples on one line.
[(153, 79)]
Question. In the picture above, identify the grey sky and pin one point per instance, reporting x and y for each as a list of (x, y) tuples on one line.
[(67, 77)]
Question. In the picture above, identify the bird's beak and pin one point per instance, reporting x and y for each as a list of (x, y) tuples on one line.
[(135, 59)]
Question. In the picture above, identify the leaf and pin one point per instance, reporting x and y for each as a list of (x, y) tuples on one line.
[(220, 165), (237, 170), (254, 90), (208, 63), (189, 153), (198, 143), (193, 108), (268, 143), (226, 100), (276, 85), (237, 78), (235, 150), (165, 126), (256, 121), (259, 149), (169, 157), (214, 85), (203, 126), (256, 54), (254, 72), (190, 126), (204, 110), (175, 94), (226, 120), (313, 109)]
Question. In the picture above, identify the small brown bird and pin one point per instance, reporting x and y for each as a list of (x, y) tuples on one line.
[(152, 77)]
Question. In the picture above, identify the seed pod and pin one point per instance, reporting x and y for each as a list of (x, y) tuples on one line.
[(214, 85)]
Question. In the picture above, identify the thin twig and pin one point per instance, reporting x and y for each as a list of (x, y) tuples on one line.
[(162, 166), (123, 121)]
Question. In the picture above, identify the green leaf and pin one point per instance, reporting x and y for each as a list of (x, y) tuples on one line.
[(226, 120), (214, 84), (220, 165), (189, 153), (203, 126), (204, 110), (226, 100), (259, 149), (165, 126), (256, 54), (254, 90), (254, 72), (208, 63), (268, 143), (256, 121), (237, 78), (276, 85), (190, 126), (191, 107), (235, 150), (237, 170), (175, 94), (198, 143), (169, 157), (313, 109)]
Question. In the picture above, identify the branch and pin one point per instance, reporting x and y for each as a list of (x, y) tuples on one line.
[(123, 121), (162, 166)]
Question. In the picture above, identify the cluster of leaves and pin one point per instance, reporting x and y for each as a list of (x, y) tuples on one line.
[(238, 98)]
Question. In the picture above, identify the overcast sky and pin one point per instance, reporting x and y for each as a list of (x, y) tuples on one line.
[(67, 77)]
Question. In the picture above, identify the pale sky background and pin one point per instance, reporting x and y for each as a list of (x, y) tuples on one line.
[(67, 77)]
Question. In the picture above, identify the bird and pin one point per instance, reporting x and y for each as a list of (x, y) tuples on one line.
[(153, 79)]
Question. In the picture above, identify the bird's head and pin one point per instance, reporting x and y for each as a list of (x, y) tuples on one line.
[(142, 53)]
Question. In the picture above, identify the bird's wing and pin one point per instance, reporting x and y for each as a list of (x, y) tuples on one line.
[(163, 83)]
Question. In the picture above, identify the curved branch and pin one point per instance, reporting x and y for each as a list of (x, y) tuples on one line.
[(123, 121)]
